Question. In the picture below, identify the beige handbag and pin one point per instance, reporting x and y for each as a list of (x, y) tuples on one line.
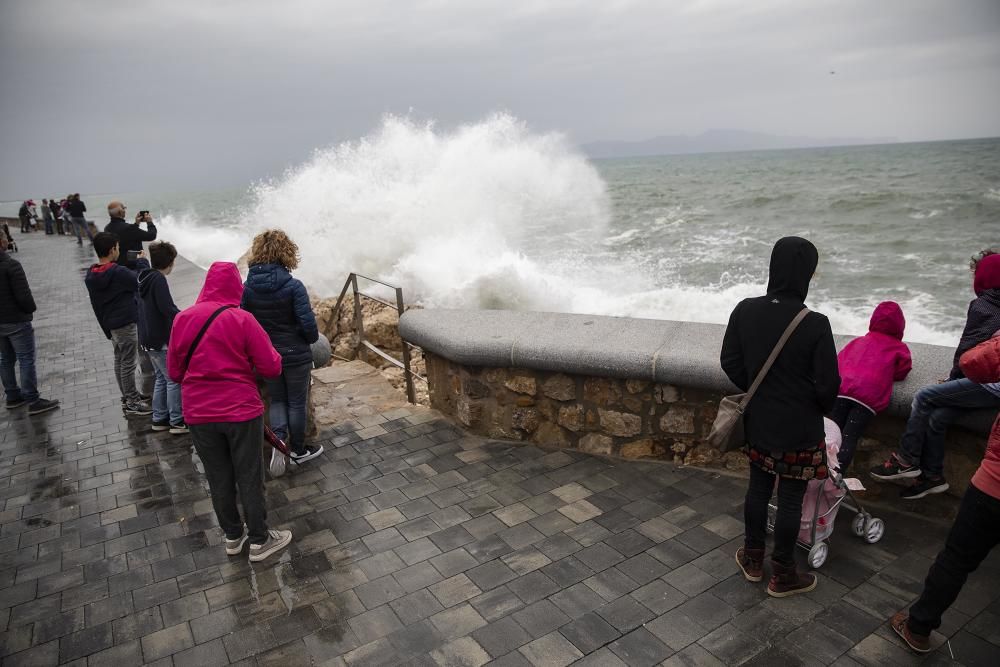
[(727, 429)]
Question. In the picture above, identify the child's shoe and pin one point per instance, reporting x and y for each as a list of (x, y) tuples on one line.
[(924, 486), (894, 468)]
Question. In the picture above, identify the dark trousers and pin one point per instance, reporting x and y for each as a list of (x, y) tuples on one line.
[(934, 409), (786, 524), (231, 454), (975, 532), (852, 418), (288, 394)]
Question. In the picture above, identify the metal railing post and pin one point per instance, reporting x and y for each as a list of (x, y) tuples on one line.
[(358, 320), (410, 393)]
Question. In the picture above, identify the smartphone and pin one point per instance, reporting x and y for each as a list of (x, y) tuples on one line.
[(132, 255), (143, 213)]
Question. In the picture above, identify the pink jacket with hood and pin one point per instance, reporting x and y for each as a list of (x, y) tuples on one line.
[(220, 384), (870, 364)]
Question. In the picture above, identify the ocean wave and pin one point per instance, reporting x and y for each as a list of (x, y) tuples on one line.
[(992, 193)]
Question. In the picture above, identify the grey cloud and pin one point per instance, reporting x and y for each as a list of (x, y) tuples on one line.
[(105, 95)]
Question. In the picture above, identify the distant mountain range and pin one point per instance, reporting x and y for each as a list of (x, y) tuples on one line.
[(719, 141)]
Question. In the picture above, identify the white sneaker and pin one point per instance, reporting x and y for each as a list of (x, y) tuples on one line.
[(276, 541), (278, 464), (234, 547)]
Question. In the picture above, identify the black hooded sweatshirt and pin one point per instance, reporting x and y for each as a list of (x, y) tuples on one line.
[(786, 413)]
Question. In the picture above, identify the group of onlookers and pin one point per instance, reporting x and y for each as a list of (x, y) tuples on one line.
[(784, 422), (63, 217)]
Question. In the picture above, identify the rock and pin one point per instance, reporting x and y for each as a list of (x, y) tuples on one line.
[(494, 376), (595, 443), (551, 435), (346, 346), (571, 417), (678, 419), (602, 391), (638, 449), (524, 401), (620, 423), (702, 455), (736, 461), (526, 419), (473, 388), (560, 387), (633, 403), (635, 386), (469, 412), (666, 393), (522, 384)]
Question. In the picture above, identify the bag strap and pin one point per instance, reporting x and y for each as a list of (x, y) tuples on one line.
[(204, 328), (801, 315)]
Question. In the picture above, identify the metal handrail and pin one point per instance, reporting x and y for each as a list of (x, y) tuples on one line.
[(352, 282)]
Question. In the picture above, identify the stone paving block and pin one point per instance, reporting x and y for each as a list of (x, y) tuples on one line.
[(137, 624), (462, 651), (589, 632), (496, 603), (541, 618), (416, 606), (457, 621), (551, 650), (455, 589), (375, 624)]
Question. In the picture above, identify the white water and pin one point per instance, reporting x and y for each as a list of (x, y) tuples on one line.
[(456, 218)]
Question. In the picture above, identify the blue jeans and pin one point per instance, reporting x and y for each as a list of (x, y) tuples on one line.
[(166, 392), (17, 341), (934, 409), (81, 223), (288, 393)]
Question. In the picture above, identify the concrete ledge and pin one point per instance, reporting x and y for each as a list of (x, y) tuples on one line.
[(664, 351)]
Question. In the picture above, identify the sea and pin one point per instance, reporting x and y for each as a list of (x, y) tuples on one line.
[(495, 215)]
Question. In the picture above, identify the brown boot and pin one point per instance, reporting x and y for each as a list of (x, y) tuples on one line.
[(919, 643), (751, 561), (788, 581)]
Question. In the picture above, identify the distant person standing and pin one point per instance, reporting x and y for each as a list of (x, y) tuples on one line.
[(56, 212), (130, 235), (281, 305), (17, 337), (24, 215), (47, 217), (77, 209)]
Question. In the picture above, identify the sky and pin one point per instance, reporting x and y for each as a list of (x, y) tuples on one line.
[(136, 95)]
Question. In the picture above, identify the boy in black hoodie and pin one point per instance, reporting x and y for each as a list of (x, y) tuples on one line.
[(156, 317), (113, 290)]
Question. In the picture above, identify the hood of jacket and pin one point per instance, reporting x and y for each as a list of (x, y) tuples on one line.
[(987, 274), (101, 275), (222, 284), (147, 279), (888, 319), (793, 263), (267, 278)]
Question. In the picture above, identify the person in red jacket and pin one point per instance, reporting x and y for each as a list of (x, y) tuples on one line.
[(868, 367), (214, 352), (976, 529)]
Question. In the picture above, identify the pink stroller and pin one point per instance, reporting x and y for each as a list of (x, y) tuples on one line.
[(822, 501)]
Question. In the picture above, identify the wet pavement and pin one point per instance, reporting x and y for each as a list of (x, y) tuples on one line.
[(414, 544)]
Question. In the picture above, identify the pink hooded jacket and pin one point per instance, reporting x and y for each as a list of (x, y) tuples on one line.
[(220, 385), (870, 364)]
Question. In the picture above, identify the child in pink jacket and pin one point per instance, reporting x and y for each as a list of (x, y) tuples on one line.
[(868, 367)]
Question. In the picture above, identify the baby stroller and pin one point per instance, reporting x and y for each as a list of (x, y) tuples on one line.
[(822, 501)]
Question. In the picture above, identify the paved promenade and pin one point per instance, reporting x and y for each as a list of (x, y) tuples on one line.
[(414, 544)]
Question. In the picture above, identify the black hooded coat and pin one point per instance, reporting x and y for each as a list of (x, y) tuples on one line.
[(786, 413)]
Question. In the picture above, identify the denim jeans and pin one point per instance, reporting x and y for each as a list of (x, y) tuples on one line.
[(852, 418), (81, 223), (166, 392), (126, 342), (934, 409), (973, 535), (17, 342), (147, 374), (231, 455), (288, 394), (787, 519)]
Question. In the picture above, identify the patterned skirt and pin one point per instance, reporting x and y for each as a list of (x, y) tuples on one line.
[(801, 464)]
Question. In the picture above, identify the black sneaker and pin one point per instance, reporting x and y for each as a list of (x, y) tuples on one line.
[(42, 405), (137, 409), (179, 429), (893, 468), (15, 404), (308, 453), (924, 487), (161, 425)]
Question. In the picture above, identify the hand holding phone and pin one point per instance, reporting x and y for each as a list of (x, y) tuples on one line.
[(133, 255)]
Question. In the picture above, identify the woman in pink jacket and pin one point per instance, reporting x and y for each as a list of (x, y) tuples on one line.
[(868, 367), (214, 353)]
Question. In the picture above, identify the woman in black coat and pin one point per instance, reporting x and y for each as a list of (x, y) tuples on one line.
[(784, 420)]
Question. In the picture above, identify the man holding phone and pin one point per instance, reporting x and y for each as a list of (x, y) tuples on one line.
[(130, 235)]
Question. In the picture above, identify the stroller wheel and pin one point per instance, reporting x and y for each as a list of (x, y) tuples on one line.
[(817, 555), (874, 531), (858, 525)]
